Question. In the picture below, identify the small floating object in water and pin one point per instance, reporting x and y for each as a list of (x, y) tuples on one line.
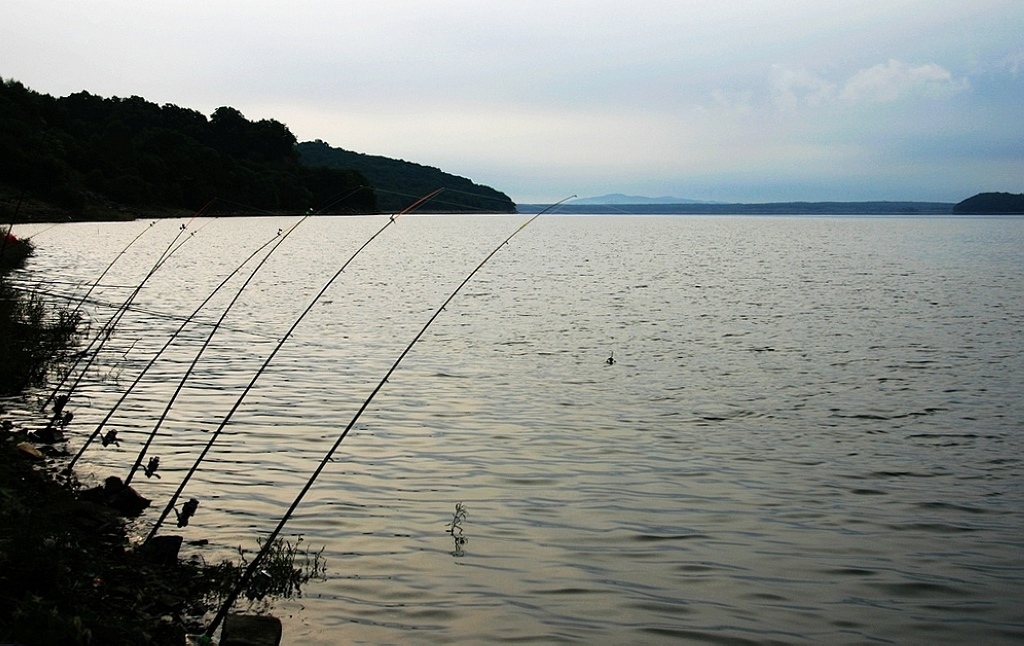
[(610, 360), (110, 437)]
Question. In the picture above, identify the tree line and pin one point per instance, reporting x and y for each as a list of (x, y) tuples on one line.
[(991, 203), (80, 149), (398, 181), (83, 150)]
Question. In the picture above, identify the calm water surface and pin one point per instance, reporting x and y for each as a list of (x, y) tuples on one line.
[(812, 432)]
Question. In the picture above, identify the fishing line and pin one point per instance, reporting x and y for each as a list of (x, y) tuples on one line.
[(266, 363), (52, 226), (181, 384), (347, 195), (107, 329), (76, 286), (461, 207), (152, 313), (258, 559), (279, 237), (156, 356), (112, 263)]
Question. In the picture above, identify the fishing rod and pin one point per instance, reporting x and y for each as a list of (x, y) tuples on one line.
[(112, 263), (333, 200), (153, 464), (52, 226), (227, 418), (181, 384), (155, 357), (456, 207), (107, 329), (258, 559), (111, 436)]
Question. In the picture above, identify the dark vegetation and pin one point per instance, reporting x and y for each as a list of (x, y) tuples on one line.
[(33, 338), (991, 204), (68, 571), (91, 157), (397, 181)]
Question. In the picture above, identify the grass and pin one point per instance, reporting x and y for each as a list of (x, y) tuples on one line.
[(34, 339)]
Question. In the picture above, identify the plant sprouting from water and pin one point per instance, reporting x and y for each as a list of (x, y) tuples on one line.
[(35, 339), (285, 569), (455, 529)]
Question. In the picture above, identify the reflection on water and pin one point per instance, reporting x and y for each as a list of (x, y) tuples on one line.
[(811, 432)]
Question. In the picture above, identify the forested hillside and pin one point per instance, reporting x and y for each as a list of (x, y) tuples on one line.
[(991, 203), (91, 156), (83, 151), (397, 181)]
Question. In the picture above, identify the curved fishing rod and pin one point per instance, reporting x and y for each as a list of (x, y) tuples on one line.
[(266, 363), (108, 328), (52, 226), (279, 237), (156, 356), (112, 263), (188, 372), (334, 199), (456, 207), (258, 559), (105, 330)]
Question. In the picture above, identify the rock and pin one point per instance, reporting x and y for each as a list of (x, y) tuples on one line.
[(249, 630), (48, 435), (30, 451), (162, 550), (115, 494)]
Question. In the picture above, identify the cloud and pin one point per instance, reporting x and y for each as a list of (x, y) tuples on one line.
[(895, 80), (793, 88), (536, 97), (888, 82), (1015, 62)]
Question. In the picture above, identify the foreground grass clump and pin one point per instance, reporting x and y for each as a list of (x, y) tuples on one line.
[(34, 339)]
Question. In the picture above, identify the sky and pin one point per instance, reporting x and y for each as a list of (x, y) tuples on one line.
[(731, 100)]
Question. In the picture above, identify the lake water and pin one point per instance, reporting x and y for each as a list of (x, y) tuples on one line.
[(812, 431)]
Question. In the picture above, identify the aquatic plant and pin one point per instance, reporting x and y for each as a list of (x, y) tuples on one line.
[(455, 529), (13, 250), (35, 339), (286, 567)]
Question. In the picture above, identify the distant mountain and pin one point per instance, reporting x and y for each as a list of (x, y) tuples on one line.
[(398, 183), (769, 208), (619, 198)]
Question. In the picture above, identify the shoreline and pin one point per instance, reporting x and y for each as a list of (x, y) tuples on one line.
[(68, 571)]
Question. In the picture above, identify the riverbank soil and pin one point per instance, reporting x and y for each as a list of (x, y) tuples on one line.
[(68, 573)]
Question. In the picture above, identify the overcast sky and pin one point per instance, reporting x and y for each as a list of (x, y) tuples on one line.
[(728, 100)]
